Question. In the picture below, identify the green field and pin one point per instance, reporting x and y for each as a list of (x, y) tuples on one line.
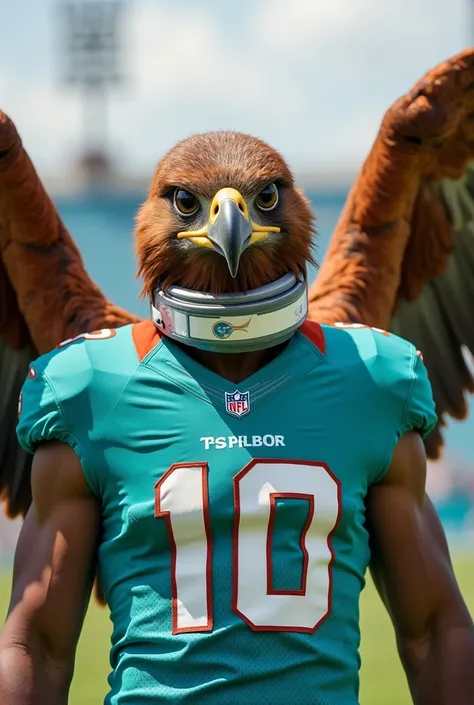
[(382, 679)]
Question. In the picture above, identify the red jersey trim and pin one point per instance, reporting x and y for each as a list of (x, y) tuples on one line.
[(314, 333), (145, 337)]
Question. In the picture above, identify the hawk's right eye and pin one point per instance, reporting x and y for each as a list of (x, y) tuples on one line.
[(185, 202)]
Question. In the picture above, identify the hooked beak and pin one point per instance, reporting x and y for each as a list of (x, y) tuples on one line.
[(229, 227), (229, 230)]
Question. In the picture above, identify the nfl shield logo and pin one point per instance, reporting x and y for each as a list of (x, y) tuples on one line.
[(237, 403)]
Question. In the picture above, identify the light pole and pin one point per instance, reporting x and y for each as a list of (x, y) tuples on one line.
[(91, 61)]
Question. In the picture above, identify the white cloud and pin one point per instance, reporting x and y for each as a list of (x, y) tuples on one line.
[(304, 24), (48, 122)]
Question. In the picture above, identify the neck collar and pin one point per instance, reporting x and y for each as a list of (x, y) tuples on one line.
[(241, 322)]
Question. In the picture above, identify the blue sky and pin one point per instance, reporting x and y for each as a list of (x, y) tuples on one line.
[(312, 77)]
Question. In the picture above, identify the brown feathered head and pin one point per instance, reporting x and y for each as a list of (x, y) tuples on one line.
[(223, 215)]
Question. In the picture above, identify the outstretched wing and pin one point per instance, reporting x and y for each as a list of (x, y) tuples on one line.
[(46, 296), (402, 255)]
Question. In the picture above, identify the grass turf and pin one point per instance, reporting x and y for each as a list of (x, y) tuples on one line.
[(382, 679)]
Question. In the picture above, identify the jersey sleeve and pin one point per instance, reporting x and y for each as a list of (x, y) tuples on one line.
[(41, 418), (420, 414), (416, 407)]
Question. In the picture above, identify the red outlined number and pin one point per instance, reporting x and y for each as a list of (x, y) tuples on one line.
[(182, 499), (254, 490)]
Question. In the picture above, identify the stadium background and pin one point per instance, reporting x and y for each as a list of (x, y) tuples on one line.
[(320, 105)]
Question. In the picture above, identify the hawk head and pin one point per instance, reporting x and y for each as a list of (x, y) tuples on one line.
[(223, 215)]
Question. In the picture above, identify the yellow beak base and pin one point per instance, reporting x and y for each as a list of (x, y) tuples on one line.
[(229, 229)]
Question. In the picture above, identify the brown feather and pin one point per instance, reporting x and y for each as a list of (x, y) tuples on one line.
[(429, 246)]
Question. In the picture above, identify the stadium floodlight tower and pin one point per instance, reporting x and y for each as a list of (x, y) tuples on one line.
[(91, 61)]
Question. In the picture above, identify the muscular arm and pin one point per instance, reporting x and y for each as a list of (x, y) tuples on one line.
[(52, 579), (413, 573)]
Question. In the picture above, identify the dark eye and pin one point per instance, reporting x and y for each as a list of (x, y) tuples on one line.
[(268, 198), (185, 202)]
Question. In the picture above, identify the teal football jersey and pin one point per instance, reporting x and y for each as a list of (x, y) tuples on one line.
[(234, 547)]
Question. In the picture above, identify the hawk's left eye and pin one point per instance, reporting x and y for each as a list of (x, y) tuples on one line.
[(268, 198), (185, 202)]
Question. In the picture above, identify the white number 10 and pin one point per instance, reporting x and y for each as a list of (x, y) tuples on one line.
[(182, 499)]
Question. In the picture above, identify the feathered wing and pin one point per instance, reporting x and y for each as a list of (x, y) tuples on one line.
[(16, 351), (402, 255), (46, 296)]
